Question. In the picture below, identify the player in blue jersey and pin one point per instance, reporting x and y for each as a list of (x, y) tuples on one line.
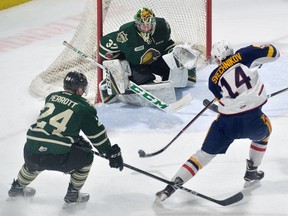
[(237, 87), (54, 141)]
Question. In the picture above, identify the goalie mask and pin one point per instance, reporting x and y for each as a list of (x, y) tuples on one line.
[(75, 80), (145, 21), (221, 50)]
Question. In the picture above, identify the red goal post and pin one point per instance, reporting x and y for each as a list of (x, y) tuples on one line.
[(190, 21)]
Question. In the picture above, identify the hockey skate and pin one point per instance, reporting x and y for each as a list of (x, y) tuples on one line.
[(168, 191), (17, 190), (252, 176), (73, 196)]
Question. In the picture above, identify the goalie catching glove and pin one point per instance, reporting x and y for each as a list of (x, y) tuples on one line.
[(115, 157), (182, 63), (183, 55)]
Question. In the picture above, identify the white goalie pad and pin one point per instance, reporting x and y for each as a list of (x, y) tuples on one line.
[(117, 76), (183, 55), (164, 91)]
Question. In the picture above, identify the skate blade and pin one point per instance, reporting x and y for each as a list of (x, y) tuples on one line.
[(69, 205), (73, 205), (28, 198), (160, 198), (250, 184), (81, 201)]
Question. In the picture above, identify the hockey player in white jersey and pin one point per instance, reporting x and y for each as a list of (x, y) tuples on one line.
[(237, 87)]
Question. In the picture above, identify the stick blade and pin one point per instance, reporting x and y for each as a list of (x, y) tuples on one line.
[(174, 107), (212, 107), (231, 200)]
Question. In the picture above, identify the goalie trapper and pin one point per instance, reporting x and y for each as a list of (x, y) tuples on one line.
[(182, 62)]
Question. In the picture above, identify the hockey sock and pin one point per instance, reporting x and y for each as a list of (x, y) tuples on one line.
[(257, 152), (78, 178), (193, 165), (25, 177)]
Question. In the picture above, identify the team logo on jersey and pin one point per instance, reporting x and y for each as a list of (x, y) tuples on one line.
[(42, 149), (150, 56), (121, 37)]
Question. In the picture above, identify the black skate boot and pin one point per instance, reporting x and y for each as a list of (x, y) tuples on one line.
[(19, 190), (74, 196), (168, 191), (252, 176)]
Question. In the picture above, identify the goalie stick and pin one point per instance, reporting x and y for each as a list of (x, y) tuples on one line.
[(214, 107), (228, 201), (142, 153), (138, 89)]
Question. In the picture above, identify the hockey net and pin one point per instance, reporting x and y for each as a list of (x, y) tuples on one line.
[(190, 21)]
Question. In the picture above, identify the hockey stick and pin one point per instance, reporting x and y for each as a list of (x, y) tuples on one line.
[(228, 201), (138, 89), (277, 92), (214, 107), (142, 153)]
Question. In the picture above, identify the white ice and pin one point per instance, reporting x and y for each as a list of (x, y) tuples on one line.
[(129, 193)]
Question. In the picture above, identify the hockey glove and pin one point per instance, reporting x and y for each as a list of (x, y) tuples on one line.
[(84, 143), (115, 158)]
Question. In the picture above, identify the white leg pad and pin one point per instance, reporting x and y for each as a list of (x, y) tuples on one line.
[(164, 91), (179, 77)]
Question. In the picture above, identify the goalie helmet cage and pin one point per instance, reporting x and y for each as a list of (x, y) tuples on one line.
[(190, 21)]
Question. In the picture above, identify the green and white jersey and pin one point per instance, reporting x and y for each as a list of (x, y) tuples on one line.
[(60, 122), (127, 43)]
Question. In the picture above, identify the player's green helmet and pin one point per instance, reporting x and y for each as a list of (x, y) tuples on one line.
[(145, 20)]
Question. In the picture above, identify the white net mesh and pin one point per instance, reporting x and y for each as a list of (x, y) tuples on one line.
[(85, 40), (186, 17)]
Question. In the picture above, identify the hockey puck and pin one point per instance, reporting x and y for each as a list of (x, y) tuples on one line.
[(141, 153)]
